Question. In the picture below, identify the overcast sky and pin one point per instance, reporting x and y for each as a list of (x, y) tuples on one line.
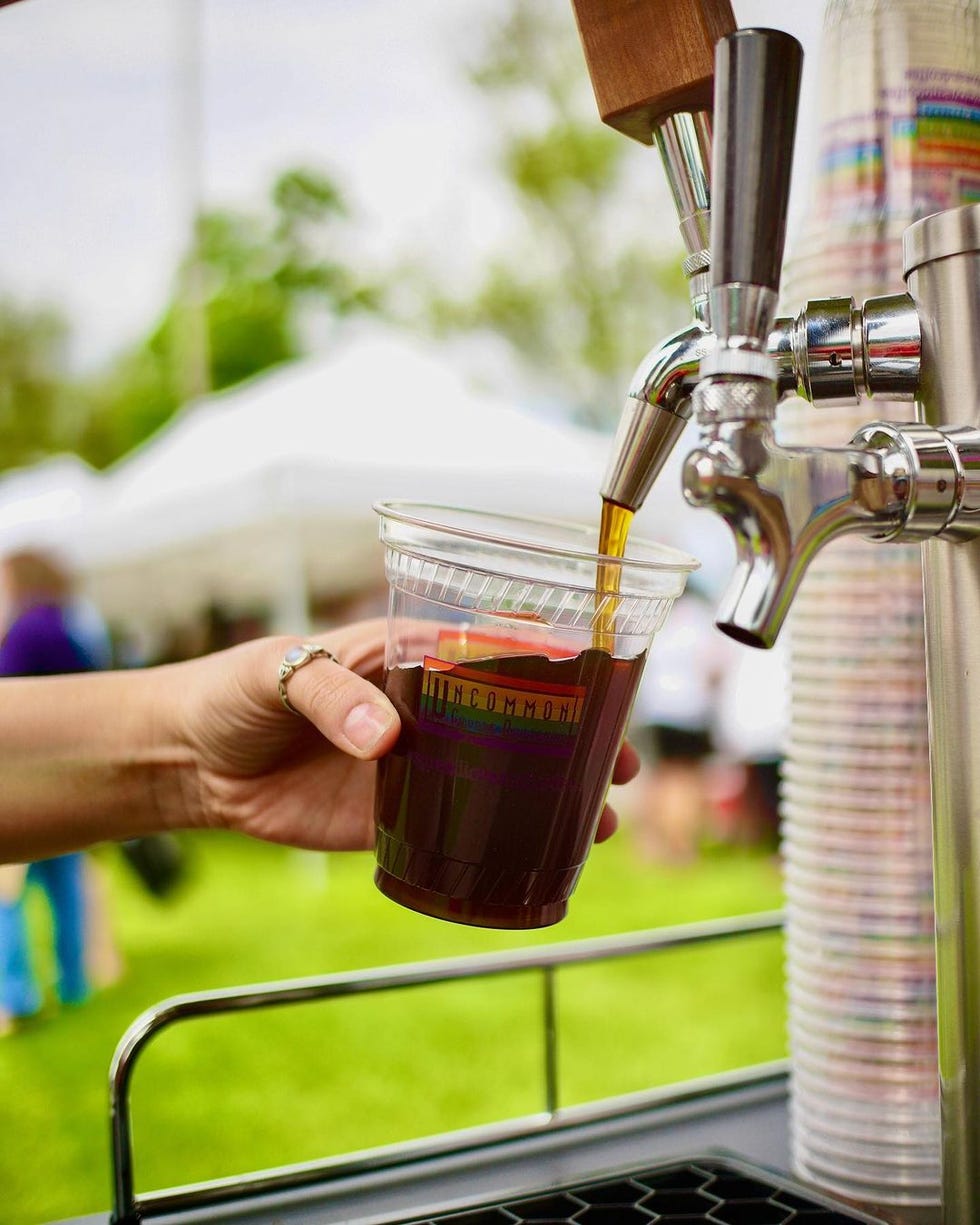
[(96, 188)]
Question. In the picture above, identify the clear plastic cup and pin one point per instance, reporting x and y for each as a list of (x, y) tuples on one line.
[(917, 950), (822, 877), (514, 671), (863, 863), (883, 759), (838, 797), (908, 1155), (863, 780), (828, 853), (911, 1062), (843, 997), (805, 910), (862, 1048), (835, 737), (819, 1077), (917, 1018), (895, 714), (870, 1131), (855, 600), (866, 1159), (818, 889), (862, 1187), (850, 688), (855, 1160), (843, 1114), (868, 827), (842, 978)]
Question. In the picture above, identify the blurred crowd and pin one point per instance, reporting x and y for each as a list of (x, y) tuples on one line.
[(709, 721), (47, 630)]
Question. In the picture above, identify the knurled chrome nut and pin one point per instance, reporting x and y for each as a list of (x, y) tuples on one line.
[(699, 261), (724, 400), (745, 363)]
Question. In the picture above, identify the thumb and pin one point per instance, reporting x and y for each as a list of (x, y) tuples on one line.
[(350, 711)]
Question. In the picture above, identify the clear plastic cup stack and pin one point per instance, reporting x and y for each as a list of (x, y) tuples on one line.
[(856, 807), (860, 958)]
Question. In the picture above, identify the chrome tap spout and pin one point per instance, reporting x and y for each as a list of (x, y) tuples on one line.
[(783, 505), (658, 403), (657, 408)]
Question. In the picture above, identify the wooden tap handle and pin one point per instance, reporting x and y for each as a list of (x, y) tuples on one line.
[(650, 58)]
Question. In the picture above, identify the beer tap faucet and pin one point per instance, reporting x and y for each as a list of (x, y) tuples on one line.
[(783, 504), (733, 363)]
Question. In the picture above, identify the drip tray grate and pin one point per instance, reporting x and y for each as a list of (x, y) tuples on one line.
[(713, 1191)]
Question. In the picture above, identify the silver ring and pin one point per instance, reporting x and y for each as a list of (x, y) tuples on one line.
[(298, 657)]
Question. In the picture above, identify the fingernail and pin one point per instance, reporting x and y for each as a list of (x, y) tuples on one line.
[(366, 724)]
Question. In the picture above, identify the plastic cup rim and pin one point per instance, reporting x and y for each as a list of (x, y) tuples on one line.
[(411, 513)]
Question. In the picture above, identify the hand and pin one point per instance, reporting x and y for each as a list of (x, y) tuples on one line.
[(308, 782), (627, 767), (263, 771)]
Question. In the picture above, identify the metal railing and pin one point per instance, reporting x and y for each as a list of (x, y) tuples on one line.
[(129, 1207)]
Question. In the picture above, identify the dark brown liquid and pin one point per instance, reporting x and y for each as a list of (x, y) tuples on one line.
[(614, 528), (488, 805)]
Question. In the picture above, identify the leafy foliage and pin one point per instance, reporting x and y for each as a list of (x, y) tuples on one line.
[(35, 405), (246, 292), (580, 291)]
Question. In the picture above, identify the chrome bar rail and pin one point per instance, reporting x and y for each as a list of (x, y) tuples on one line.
[(128, 1207)]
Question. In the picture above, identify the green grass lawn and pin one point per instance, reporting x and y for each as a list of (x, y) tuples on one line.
[(223, 1095)]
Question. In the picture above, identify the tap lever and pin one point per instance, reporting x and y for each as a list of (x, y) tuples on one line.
[(757, 83)]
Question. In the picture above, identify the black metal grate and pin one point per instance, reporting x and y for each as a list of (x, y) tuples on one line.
[(709, 1191)]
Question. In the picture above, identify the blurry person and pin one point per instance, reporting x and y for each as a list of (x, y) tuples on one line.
[(672, 723), (48, 632), (750, 730), (11, 886)]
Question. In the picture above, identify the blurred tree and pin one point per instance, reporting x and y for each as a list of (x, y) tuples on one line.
[(583, 288), (580, 290), (248, 293), (35, 402)]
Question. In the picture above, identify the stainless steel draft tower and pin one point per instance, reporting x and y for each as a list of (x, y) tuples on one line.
[(894, 481)]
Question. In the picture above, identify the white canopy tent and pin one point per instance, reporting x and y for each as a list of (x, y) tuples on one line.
[(263, 494), (258, 497), (47, 506)]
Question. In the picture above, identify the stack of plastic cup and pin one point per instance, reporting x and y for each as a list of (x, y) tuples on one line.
[(856, 808), (858, 875)]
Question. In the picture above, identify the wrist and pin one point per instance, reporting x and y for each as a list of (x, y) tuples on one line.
[(170, 772)]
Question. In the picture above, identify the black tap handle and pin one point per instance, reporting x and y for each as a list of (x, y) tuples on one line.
[(757, 87)]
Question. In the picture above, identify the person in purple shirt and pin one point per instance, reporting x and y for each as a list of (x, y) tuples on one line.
[(47, 633)]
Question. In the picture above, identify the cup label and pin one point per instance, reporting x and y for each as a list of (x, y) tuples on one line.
[(487, 708)]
